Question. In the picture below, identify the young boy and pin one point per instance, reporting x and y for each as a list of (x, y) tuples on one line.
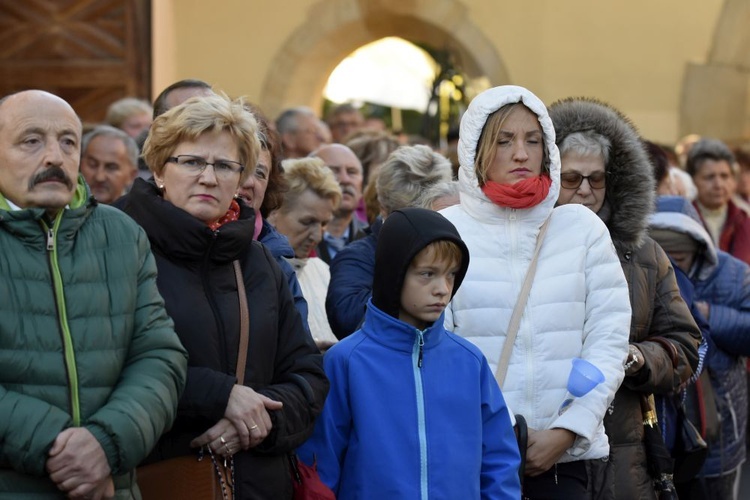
[(413, 411)]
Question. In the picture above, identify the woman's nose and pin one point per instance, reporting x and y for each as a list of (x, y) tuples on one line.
[(520, 153)]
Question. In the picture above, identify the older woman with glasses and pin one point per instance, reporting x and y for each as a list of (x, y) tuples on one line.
[(200, 235), (605, 168)]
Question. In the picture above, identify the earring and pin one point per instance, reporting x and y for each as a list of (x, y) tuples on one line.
[(161, 187)]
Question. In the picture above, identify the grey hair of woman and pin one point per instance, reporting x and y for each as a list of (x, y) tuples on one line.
[(587, 143), (447, 189), (407, 173)]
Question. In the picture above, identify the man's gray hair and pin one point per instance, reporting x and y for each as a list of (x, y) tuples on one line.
[(708, 149), (131, 148), (287, 120), (407, 173)]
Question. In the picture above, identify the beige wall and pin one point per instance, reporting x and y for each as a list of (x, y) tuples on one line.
[(630, 53)]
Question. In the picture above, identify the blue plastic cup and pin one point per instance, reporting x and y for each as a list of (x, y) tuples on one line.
[(583, 377)]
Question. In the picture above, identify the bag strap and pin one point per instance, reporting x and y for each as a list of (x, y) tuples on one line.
[(515, 319), (244, 324)]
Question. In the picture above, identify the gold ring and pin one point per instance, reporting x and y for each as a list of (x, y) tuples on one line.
[(221, 438), (254, 427)]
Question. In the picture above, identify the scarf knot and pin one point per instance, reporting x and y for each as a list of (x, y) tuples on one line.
[(523, 194)]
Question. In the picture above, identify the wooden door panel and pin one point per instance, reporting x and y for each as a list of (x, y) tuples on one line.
[(89, 52)]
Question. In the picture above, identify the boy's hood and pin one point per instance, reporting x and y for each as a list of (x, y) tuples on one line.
[(676, 213), (403, 235)]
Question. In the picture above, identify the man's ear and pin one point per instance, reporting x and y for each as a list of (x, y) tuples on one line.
[(134, 174)]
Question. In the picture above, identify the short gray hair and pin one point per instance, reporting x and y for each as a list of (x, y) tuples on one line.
[(124, 108), (586, 143), (708, 149), (131, 148), (437, 191), (407, 173), (287, 120)]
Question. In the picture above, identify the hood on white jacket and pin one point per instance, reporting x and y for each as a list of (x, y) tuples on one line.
[(473, 122)]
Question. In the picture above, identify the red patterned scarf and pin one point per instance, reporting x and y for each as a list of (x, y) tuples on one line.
[(232, 214)]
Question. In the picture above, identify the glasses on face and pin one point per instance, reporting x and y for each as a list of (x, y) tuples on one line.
[(573, 180), (195, 165)]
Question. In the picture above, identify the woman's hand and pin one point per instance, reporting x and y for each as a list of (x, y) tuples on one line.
[(222, 438), (248, 412), (545, 448)]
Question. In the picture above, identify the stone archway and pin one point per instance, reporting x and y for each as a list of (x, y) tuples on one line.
[(715, 95), (335, 28)]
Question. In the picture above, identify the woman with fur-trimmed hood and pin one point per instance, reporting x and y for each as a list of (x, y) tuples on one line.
[(606, 168)]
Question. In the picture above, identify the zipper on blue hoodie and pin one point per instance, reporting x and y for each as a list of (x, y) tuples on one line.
[(417, 366)]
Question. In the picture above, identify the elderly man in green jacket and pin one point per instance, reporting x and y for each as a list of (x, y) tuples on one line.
[(90, 367)]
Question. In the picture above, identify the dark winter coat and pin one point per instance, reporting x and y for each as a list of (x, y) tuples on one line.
[(197, 280), (356, 232), (661, 322), (80, 292), (723, 282), (351, 283)]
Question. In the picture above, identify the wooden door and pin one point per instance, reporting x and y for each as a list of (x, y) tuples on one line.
[(89, 52)]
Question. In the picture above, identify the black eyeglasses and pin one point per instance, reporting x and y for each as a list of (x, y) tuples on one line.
[(195, 165), (573, 180)]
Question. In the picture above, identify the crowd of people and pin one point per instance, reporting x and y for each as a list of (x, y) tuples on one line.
[(194, 281)]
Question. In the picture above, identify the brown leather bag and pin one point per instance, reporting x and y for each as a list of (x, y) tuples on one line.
[(199, 477), (181, 477)]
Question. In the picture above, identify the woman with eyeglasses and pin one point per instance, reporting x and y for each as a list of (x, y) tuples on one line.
[(577, 306), (199, 153), (606, 168)]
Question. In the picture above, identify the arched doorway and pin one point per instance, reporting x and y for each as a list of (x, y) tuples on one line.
[(303, 64)]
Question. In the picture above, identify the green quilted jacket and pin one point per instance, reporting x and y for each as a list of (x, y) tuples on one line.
[(84, 341)]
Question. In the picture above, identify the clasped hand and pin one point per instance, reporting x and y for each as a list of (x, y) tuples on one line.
[(246, 423), (78, 466)]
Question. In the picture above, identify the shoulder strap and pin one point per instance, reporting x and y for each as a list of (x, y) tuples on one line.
[(244, 324), (515, 319)]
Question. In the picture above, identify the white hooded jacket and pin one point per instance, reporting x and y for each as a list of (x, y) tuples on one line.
[(578, 305)]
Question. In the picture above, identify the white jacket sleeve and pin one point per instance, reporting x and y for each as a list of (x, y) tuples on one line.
[(605, 338)]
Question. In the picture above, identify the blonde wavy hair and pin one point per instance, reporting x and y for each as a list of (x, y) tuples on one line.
[(198, 116), (304, 174)]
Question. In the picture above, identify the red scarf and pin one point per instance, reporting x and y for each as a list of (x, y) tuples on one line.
[(232, 214), (523, 194)]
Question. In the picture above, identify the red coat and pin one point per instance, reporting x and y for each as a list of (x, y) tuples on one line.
[(735, 235)]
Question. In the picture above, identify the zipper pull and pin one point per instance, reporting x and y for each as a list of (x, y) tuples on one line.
[(50, 239), (421, 348)]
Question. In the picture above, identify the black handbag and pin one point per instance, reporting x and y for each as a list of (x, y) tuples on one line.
[(690, 449)]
